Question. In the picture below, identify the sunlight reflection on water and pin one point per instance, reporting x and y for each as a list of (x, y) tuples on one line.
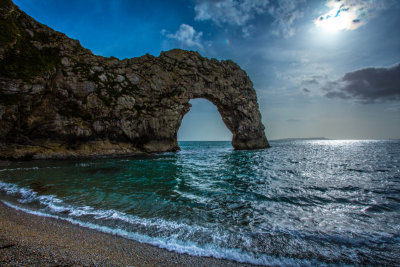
[(300, 202)]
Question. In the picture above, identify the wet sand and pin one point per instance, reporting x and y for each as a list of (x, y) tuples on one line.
[(30, 240)]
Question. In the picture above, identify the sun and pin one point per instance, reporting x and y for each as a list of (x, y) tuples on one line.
[(338, 19), (336, 23)]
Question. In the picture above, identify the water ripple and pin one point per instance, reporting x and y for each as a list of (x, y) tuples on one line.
[(298, 203)]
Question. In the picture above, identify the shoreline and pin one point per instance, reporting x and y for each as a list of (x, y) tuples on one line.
[(27, 239)]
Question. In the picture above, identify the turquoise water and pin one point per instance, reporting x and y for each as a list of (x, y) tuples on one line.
[(298, 203)]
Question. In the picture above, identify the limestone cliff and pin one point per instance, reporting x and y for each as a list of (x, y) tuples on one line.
[(59, 100)]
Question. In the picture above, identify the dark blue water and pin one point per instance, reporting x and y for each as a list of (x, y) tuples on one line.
[(298, 203)]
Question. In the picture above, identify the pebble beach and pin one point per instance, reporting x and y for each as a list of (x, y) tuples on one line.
[(30, 240)]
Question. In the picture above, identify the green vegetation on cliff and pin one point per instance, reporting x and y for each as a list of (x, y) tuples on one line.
[(21, 58)]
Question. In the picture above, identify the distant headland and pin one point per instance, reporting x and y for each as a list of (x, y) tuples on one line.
[(58, 100)]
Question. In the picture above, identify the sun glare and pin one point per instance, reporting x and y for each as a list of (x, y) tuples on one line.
[(338, 19), (336, 23)]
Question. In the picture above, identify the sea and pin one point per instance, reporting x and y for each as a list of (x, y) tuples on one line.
[(299, 203)]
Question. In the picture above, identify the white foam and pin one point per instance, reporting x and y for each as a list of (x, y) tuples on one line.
[(172, 244), (163, 227), (28, 168), (25, 195), (19, 169), (9, 188)]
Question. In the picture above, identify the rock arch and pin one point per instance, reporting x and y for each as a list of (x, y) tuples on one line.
[(226, 86), (222, 83), (57, 99)]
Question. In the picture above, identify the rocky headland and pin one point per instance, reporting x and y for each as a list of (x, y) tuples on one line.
[(58, 100)]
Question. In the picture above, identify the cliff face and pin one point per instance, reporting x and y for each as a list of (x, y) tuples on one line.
[(59, 100)]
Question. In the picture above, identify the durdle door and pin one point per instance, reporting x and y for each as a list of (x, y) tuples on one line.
[(58, 100)]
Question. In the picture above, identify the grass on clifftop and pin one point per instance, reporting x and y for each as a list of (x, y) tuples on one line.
[(22, 60)]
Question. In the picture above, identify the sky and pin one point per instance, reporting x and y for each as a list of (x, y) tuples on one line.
[(320, 68)]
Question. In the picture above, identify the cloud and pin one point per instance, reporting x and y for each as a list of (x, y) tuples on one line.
[(349, 14), (242, 12), (186, 35), (285, 13), (313, 80), (248, 30), (367, 85), (232, 12)]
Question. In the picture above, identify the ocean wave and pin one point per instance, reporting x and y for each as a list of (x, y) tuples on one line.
[(172, 244), (178, 236), (303, 201)]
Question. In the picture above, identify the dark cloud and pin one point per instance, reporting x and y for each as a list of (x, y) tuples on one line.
[(314, 80), (306, 90), (368, 85)]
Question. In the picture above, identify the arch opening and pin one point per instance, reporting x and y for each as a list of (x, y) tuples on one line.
[(203, 123)]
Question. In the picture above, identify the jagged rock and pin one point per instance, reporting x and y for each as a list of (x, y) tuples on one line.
[(59, 100)]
